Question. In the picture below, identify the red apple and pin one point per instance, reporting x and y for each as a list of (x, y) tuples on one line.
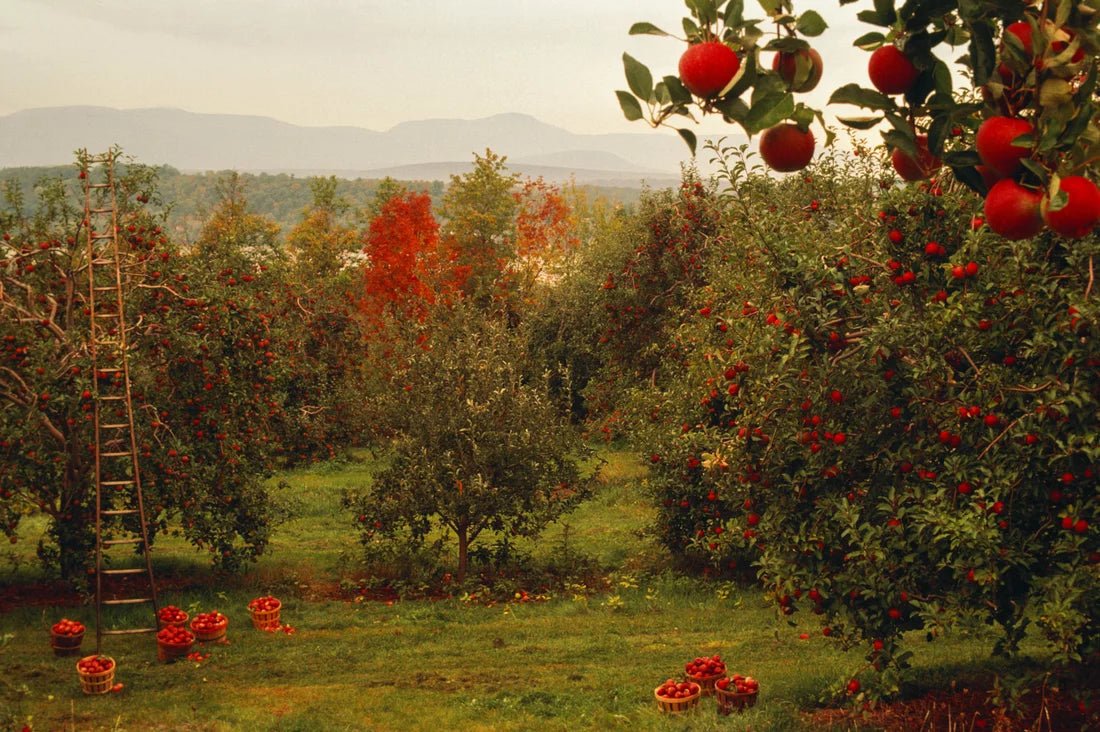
[(800, 69), (910, 169), (707, 68), (1012, 210), (1081, 211), (891, 71), (786, 148), (995, 143)]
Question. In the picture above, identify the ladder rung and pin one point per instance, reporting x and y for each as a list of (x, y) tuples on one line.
[(115, 454), (112, 288), (120, 426), (108, 370), (128, 601), (116, 482), (99, 185), (100, 210), (102, 236), (103, 261), (113, 542), (127, 631), (118, 512), (124, 571), (106, 315), (112, 398)]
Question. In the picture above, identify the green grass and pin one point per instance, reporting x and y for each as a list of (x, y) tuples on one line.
[(578, 661)]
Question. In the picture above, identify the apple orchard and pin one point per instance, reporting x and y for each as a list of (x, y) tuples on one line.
[(871, 387)]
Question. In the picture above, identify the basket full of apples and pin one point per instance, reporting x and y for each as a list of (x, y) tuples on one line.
[(210, 627), (677, 696), (705, 671), (174, 642), (736, 692), (97, 674), (171, 616), (66, 636), (265, 613)]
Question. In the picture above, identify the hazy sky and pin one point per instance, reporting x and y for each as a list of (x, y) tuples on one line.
[(365, 63)]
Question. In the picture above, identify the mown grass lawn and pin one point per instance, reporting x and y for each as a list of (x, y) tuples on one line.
[(576, 661)]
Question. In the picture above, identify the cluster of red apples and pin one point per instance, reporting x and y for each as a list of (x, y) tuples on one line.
[(1014, 208), (707, 69)]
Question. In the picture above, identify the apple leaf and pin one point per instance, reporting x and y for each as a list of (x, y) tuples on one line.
[(677, 90), (971, 178), (860, 97), (962, 158), (1036, 169), (646, 29), (811, 24), (983, 52), (632, 110), (735, 13), (638, 77), (688, 137), (859, 123), (869, 41), (768, 111)]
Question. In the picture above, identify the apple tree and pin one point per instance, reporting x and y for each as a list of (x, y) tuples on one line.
[(480, 445)]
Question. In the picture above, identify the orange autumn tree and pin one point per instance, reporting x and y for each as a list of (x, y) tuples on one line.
[(402, 247)]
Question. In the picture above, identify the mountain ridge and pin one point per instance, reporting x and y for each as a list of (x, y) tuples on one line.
[(202, 141)]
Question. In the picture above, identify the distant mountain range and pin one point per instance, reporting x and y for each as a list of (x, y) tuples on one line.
[(420, 150)]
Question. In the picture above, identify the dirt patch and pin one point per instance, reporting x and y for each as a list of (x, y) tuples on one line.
[(38, 594), (964, 710)]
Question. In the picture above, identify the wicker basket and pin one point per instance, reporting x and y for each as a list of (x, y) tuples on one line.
[(100, 683), (677, 705), (706, 683), (266, 619), (732, 701), (169, 652), (65, 645), (217, 635)]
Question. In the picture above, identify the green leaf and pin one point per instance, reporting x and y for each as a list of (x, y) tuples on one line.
[(638, 77), (983, 52), (660, 91), (691, 31), (811, 24), (677, 90), (632, 110), (962, 158), (860, 97), (859, 123), (646, 29), (735, 13), (768, 112), (688, 137), (1036, 169), (869, 41)]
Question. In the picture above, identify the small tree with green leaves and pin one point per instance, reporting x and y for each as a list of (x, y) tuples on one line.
[(481, 445)]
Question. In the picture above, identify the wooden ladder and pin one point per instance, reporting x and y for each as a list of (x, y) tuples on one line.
[(117, 473)]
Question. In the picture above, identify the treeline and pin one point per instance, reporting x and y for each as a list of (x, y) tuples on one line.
[(192, 197)]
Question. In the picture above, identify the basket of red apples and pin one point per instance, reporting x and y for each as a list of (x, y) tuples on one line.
[(171, 616), (265, 613), (210, 627), (736, 692), (66, 636), (705, 672), (677, 696), (174, 642), (97, 674)]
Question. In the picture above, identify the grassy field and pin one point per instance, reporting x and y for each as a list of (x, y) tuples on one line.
[(575, 661)]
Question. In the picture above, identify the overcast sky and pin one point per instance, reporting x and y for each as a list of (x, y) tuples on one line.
[(363, 63)]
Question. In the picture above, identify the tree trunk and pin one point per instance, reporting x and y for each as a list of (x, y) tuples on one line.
[(463, 552)]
